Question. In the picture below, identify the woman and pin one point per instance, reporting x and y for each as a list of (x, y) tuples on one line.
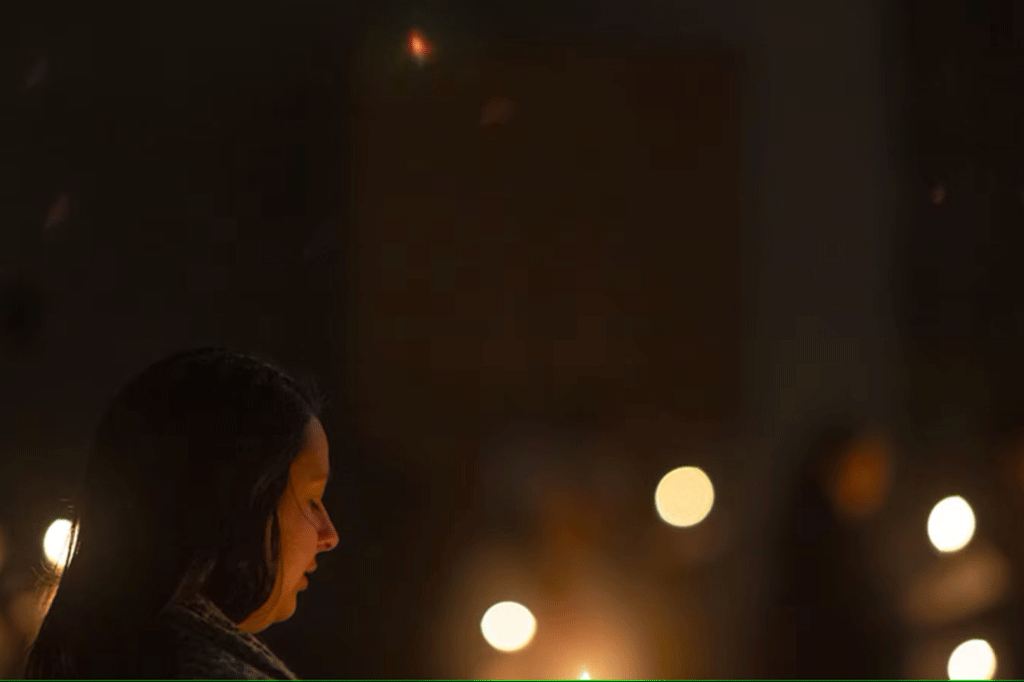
[(198, 519)]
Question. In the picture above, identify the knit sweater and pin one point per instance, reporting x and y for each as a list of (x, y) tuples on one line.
[(209, 645)]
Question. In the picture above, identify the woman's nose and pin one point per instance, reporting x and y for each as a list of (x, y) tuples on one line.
[(328, 537)]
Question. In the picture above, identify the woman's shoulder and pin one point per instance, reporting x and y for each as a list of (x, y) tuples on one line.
[(209, 645)]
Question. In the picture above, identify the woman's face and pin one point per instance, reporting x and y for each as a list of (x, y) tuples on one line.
[(306, 529)]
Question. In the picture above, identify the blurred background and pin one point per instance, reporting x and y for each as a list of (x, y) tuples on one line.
[(670, 339)]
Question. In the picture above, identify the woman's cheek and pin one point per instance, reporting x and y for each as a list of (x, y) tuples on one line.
[(299, 544)]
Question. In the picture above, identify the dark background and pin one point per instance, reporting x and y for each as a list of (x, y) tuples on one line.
[(640, 236)]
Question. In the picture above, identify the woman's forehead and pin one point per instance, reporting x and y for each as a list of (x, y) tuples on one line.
[(313, 460)]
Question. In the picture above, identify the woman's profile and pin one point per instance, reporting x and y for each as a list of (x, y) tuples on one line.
[(198, 518)]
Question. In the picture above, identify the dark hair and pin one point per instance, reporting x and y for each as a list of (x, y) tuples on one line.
[(179, 495)]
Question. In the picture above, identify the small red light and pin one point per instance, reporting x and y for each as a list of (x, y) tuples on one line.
[(419, 47)]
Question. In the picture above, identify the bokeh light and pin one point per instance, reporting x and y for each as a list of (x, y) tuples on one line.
[(419, 46), (584, 675), (56, 543), (968, 583), (684, 496), (508, 626), (863, 478), (972, 660), (951, 524)]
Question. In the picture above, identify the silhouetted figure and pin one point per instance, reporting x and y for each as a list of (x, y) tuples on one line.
[(826, 619)]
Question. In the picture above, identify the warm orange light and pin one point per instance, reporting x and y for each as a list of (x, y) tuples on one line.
[(419, 46), (863, 477)]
